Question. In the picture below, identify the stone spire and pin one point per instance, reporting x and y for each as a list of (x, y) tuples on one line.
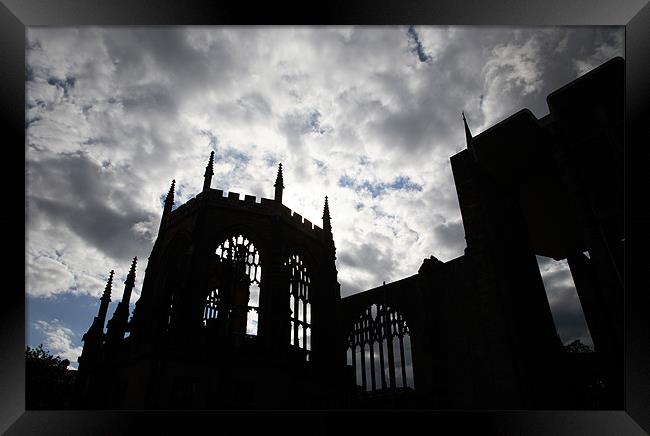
[(129, 283), (169, 200), (468, 137), (94, 337), (117, 326), (209, 171), (279, 185), (327, 223), (105, 300)]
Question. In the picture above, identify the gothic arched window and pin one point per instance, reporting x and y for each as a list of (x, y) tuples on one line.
[(211, 305), (238, 290), (379, 349), (299, 303)]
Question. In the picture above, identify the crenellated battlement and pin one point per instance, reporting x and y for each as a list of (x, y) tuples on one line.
[(247, 202)]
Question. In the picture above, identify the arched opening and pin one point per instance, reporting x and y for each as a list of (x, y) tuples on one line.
[(233, 298), (379, 350), (299, 304)]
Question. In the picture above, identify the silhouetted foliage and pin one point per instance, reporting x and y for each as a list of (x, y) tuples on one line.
[(577, 347), (48, 382)]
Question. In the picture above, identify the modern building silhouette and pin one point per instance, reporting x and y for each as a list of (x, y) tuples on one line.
[(241, 307)]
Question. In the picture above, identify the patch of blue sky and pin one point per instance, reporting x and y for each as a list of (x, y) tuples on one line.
[(417, 48), (231, 154), (31, 121), (346, 182), (312, 123), (64, 84), (75, 312), (321, 166), (78, 311), (214, 140), (376, 189), (225, 154), (29, 73), (405, 183), (271, 160)]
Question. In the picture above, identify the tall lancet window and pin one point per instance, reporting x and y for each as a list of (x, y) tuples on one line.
[(299, 303), (237, 294), (211, 306), (379, 349)]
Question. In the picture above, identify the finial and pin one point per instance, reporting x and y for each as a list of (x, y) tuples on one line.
[(209, 171), (131, 274), (129, 282), (468, 137), (109, 285), (279, 184), (326, 209), (97, 326), (467, 132), (279, 180), (169, 200), (209, 168), (327, 225)]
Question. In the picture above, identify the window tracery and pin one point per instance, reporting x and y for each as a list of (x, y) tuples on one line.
[(235, 296), (379, 349), (299, 303)]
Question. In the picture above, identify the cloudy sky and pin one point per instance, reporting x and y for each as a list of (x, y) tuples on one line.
[(366, 115)]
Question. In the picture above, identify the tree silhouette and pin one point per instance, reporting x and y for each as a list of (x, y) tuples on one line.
[(48, 382)]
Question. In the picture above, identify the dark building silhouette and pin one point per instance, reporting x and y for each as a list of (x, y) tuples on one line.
[(241, 308)]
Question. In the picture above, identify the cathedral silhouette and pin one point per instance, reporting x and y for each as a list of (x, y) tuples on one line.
[(241, 308)]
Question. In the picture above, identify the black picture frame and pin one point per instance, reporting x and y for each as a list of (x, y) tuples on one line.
[(16, 15)]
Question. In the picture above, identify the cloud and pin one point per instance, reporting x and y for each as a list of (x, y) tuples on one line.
[(366, 115), (87, 198), (607, 46), (59, 340), (450, 234), (368, 264), (513, 67), (48, 276)]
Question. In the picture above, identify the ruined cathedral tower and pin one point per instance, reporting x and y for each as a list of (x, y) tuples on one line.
[(239, 308)]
